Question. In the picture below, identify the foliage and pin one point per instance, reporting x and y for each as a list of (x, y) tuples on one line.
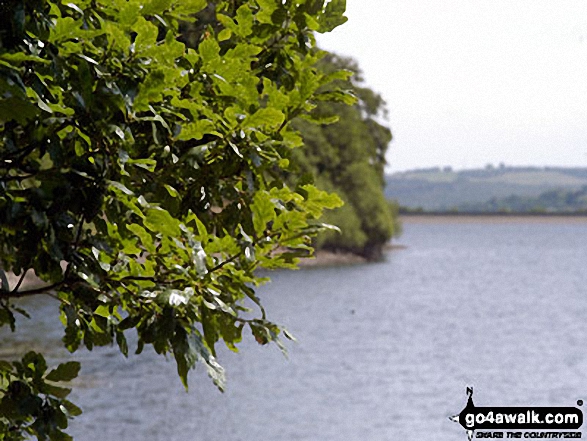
[(553, 201), (142, 180), (32, 403), (346, 152)]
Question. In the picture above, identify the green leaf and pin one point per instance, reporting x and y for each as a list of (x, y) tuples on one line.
[(172, 191), (263, 211), (215, 371), (71, 408), (58, 435), (64, 372), (333, 15), (188, 349), (202, 231), (209, 50), (185, 355), (56, 391), (264, 117), (122, 343), (144, 236), (151, 90), (279, 16), (267, 9), (156, 7), (224, 35), (146, 35), (231, 333), (227, 22), (121, 187), (244, 18), (339, 96), (64, 28), (19, 57), (197, 129), (102, 311), (189, 7), (311, 22), (317, 200), (340, 75), (159, 220)]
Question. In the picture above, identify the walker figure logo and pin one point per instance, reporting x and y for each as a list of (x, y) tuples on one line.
[(513, 419)]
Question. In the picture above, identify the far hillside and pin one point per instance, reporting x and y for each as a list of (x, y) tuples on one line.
[(437, 189)]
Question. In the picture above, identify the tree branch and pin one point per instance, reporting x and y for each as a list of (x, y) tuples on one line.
[(221, 264), (15, 293), (19, 281), (30, 292), (147, 278)]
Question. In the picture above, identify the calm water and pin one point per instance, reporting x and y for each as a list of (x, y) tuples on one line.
[(385, 350)]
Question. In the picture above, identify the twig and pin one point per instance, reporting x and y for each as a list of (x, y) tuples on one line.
[(19, 281), (221, 264), (148, 278), (75, 245)]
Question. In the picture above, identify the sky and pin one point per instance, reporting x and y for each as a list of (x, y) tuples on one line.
[(474, 82)]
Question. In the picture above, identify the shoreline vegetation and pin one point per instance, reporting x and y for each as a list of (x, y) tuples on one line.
[(326, 258), (345, 154), (524, 214), (504, 218)]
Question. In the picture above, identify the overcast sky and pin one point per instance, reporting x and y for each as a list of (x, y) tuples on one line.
[(472, 82)]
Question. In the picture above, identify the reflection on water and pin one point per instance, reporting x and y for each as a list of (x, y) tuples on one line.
[(385, 350)]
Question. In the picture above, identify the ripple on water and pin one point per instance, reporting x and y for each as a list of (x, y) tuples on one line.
[(385, 350)]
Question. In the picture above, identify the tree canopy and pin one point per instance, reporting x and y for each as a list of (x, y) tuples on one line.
[(144, 176), (346, 153)]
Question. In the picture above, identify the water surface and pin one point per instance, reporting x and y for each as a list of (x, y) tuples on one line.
[(384, 350)]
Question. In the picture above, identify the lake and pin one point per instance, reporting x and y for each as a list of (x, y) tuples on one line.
[(384, 352)]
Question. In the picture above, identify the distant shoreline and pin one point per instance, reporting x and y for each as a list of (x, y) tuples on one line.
[(432, 217), (492, 214), (517, 190)]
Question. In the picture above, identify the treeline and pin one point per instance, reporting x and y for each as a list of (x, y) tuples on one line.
[(491, 171), (441, 190), (554, 201), (348, 157)]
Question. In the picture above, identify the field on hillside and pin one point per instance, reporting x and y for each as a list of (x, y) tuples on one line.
[(444, 189)]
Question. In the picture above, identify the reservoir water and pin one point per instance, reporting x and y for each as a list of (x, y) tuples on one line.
[(384, 352)]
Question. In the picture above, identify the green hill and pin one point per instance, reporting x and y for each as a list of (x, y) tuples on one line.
[(486, 189)]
